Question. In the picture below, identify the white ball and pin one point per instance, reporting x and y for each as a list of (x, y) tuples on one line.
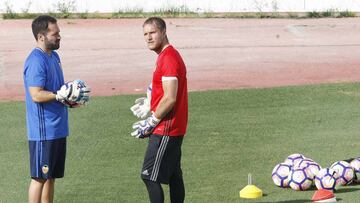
[(280, 174), (310, 164), (77, 95), (300, 179), (345, 172), (294, 159), (355, 164), (326, 179)]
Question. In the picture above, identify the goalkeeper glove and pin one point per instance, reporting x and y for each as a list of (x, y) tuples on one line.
[(64, 93), (141, 108), (145, 127), (73, 94)]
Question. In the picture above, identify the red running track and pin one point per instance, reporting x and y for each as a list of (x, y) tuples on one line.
[(111, 55)]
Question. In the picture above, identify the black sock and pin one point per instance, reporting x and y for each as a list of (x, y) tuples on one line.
[(156, 193)]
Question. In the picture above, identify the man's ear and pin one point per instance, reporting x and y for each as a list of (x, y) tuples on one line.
[(40, 37)]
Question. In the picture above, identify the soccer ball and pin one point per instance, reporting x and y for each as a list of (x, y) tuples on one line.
[(345, 172), (78, 93), (300, 179), (81, 91), (326, 179), (280, 174), (355, 164), (310, 164), (294, 159), (305, 159)]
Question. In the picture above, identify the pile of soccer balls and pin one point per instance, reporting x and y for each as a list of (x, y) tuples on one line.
[(301, 173)]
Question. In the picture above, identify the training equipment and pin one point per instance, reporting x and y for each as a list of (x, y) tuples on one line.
[(345, 172), (141, 109), (313, 167), (250, 191), (293, 159), (73, 93), (300, 178), (326, 179), (303, 161), (143, 128), (81, 92), (323, 195), (355, 164), (64, 92), (280, 174)]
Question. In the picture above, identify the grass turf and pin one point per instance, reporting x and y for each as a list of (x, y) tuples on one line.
[(231, 133)]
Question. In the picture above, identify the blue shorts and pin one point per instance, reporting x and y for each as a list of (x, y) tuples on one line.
[(47, 158)]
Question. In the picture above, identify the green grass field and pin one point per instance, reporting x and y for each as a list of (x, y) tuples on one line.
[(231, 133)]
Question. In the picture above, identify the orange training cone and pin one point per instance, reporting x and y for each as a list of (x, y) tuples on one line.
[(323, 195)]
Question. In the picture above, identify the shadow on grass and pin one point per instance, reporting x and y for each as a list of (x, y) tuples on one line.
[(343, 190), (294, 201), (298, 201), (346, 190)]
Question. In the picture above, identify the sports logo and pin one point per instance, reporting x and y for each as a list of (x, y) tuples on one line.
[(145, 173), (45, 169)]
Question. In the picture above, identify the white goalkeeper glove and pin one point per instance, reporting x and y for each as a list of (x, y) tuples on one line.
[(141, 109), (64, 93), (73, 93), (145, 127)]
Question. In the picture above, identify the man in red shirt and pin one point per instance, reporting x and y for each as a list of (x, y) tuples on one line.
[(166, 126)]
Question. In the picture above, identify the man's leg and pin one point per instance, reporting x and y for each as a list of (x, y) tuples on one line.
[(35, 190), (177, 188), (156, 193), (47, 195)]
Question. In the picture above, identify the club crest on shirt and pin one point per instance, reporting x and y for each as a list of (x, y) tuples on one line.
[(45, 169)]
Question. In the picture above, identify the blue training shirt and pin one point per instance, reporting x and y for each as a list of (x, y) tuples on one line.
[(45, 121)]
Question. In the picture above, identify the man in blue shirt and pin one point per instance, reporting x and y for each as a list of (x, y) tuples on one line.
[(46, 114)]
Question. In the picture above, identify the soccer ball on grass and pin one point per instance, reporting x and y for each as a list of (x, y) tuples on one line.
[(345, 172), (326, 179), (300, 178), (280, 174)]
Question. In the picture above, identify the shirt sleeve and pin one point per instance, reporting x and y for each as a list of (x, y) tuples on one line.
[(35, 73), (170, 67)]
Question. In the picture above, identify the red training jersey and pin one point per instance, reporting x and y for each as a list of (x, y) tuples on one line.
[(170, 64)]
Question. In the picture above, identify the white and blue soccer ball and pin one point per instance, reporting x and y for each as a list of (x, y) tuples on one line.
[(355, 164), (280, 174), (326, 179), (345, 172), (310, 164), (300, 178), (79, 92), (294, 159)]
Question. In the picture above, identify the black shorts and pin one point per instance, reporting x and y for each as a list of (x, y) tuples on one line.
[(47, 158), (162, 158)]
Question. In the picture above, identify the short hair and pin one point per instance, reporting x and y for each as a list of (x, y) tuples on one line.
[(159, 22), (40, 24)]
